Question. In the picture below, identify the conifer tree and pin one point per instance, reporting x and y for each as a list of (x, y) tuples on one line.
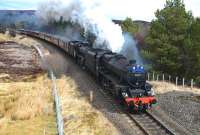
[(169, 38)]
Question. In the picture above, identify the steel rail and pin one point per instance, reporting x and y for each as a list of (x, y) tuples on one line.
[(151, 124)]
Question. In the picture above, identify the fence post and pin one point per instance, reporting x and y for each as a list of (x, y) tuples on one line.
[(163, 77), (176, 81), (192, 83), (169, 78), (153, 76), (91, 96), (148, 77), (157, 78), (183, 82), (44, 131)]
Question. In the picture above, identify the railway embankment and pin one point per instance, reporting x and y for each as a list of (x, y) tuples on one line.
[(80, 117)]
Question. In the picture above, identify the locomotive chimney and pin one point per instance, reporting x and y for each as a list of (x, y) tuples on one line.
[(132, 62)]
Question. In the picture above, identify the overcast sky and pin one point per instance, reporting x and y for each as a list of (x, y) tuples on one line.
[(117, 9)]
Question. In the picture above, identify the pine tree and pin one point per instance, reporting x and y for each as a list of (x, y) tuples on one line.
[(129, 26), (195, 49), (169, 39)]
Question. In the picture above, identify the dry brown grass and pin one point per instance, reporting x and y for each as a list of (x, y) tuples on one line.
[(21, 39), (164, 87), (22, 103), (80, 118), (4, 37), (26, 108)]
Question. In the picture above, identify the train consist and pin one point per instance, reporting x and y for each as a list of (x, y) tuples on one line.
[(124, 79)]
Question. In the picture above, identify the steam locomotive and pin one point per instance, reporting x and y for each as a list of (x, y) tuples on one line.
[(124, 79)]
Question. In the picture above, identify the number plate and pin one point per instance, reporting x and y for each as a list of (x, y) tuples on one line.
[(138, 75)]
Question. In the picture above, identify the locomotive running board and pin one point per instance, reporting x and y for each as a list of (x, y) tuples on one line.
[(112, 79), (109, 77)]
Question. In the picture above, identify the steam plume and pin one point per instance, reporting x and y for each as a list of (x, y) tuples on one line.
[(130, 49), (88, 14)]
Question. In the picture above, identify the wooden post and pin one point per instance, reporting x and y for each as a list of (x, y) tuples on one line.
[(169, 78), (183, 82), (157, 78), (148, 77), (192, 83), (176, 81), (153, 76), (91, 96), (44, 132), (163, 77)]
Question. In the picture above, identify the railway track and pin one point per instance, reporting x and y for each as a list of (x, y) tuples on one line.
[(150, 124), (145, 121)]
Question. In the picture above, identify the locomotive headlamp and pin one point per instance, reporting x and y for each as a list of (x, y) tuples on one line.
[(151, 92), (124, 94), (134, 68)]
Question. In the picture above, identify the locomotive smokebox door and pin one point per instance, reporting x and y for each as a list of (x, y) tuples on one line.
[(132, 62)]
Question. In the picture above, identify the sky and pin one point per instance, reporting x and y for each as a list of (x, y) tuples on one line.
[(116, 9)]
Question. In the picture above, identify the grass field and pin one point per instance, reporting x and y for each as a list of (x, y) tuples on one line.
[(20, 39), (163, 87), (80, 117), (26, 108)]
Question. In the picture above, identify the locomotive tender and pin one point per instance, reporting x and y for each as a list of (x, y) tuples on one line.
[(124, 79)]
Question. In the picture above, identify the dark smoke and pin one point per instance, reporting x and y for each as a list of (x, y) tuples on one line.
[(130, 49)]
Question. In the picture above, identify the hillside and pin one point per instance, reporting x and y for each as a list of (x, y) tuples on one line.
[(22, 18), (143, 27)]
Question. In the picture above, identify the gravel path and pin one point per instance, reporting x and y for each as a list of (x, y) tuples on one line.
[(180, 104)]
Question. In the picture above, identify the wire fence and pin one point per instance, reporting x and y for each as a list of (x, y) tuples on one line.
[(178, 81), (57, 103)]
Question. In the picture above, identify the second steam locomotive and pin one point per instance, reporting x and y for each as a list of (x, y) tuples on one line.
[(124, 79)]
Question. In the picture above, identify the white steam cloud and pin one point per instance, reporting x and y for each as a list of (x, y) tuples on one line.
[(88, 14)]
